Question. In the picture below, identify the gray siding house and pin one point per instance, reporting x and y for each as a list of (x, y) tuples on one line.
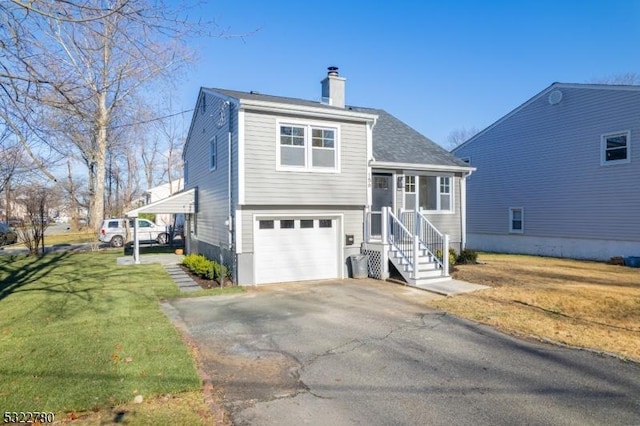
[(287, 189), (559, 175)]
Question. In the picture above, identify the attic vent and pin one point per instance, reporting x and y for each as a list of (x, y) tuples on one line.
[(555, 97)]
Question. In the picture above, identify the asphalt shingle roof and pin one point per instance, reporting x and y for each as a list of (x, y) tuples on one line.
[(393, 140)]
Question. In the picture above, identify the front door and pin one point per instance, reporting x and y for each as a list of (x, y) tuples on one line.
[(381, 196)]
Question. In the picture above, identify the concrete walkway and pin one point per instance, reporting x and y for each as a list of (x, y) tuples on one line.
[(171, 263), (181, 278), (450, 287)]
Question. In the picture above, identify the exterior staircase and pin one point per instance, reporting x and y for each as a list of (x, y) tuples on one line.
[(429, 270), (415, 247)]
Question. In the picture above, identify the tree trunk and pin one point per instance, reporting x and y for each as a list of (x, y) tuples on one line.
[(96, 201)]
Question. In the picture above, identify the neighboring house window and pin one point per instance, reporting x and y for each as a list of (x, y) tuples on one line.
[(186, 173), (616, 147), (213, 153), (434, 193), (516, 220), (307, 147)]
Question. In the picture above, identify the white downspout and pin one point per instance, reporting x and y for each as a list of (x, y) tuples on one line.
[(463, 210), (369, 160), (229, 186)]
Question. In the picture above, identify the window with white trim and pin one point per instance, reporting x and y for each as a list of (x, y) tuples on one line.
[(516, 220), (307, 147), (616, 147), (213, 153), (409, 192), (435, 193)]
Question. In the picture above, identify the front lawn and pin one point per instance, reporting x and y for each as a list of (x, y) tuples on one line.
[(79, 333), (580, 303)]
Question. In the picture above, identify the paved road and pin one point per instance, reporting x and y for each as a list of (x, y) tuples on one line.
[(370, 353)]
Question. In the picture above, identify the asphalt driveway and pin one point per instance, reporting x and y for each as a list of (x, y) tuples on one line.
[(363, 352)]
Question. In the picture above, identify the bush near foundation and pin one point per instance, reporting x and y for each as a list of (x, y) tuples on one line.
[(203, 267)]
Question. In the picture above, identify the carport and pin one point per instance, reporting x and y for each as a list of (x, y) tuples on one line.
[(183, 202)]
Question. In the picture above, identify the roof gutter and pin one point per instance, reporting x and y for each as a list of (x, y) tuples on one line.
[(426, 167), (282, 108)]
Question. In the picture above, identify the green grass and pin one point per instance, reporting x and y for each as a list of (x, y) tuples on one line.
[(78, 332), (71, 238)]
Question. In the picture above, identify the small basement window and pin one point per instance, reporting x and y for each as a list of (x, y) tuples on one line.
[(516, 220)]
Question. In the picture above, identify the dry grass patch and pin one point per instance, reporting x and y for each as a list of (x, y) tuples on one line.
[(580, 303)]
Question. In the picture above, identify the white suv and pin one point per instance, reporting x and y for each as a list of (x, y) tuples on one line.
[(113, 231)]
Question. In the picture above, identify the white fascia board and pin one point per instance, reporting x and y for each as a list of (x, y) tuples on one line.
[(187, 198), (422, 167), (283, 108), (222, 96)]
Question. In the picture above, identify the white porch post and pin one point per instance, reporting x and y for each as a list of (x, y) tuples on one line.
[(367, 224), (445, 255), (416, 233), (136, 243), (186, 233), (384, 225), (384, 269)]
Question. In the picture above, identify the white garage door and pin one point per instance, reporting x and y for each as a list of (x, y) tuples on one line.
[(295, 249)]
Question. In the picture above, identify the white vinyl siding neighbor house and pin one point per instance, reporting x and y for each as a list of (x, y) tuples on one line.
[(559, 175), (284, 185)]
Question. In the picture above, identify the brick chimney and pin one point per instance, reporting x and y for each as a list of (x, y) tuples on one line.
[(333, 88)]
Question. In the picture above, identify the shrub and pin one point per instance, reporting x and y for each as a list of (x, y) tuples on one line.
[(467, 257), (222, 272), (452, 256), (205, 268), (200, 265)]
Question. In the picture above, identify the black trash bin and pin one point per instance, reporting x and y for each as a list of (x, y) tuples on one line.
[(359, 265)]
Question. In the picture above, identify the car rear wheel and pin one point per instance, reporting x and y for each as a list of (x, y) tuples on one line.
[(117, 241), (163, 238)]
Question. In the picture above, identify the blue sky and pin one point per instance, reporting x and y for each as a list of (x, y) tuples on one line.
[(437, 66)]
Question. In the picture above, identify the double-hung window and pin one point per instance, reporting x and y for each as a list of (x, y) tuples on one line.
[(434, 193), (616, 147), (516, 220), (307, 147)]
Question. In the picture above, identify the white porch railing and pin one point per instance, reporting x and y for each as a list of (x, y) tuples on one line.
[(411, 235), (432, 240)]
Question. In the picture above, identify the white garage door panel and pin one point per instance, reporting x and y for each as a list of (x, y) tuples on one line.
[(295, 254)]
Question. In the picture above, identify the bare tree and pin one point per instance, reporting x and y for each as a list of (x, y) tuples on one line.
[(81, 63), (10, 157), (170, 132), (629, 78), (460, 135), (36, 201)]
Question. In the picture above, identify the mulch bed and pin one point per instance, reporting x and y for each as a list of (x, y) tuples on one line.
[(203, 282)]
